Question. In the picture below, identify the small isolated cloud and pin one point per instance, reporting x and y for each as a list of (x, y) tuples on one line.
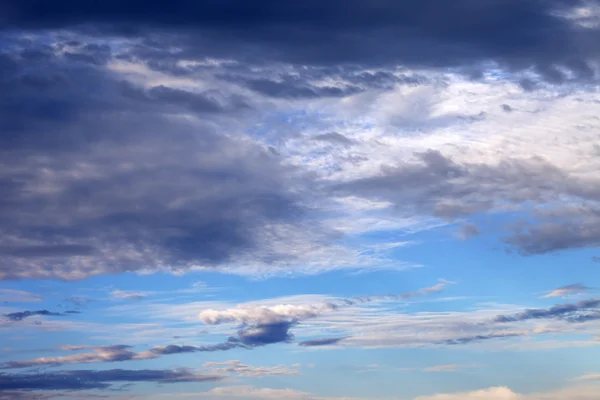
[(321, 342), (125, 295), (588, 377), (238, 368), (596, 259), (567, 291), (468, 230)]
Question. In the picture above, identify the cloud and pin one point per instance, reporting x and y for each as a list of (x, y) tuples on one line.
[(238, 368), (494, 393), (251, 392), (18, 296), (100, 196), (21, 315), (270, 314), (588, 377), (118, 353), (407, 34), (334, 138), (505, 393), (480, 338), (321, 342), (100, 354), (89, 379), (569, 290), (468, 230), (580, 311), (125, 295), (450, 367)]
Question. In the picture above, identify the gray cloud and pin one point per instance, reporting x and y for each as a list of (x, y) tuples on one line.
[(439, 186), (21, 315), (432, 34), (468, 230), (97, 195), (89, 379), (580, 311), (321, 342), (479, 338)]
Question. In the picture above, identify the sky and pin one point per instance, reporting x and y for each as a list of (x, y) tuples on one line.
[(300, 200)]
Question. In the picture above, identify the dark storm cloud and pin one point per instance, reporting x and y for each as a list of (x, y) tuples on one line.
[(90, 379), (517, 33), (21, 315), (103, 176), (321, 342), (584, 310)]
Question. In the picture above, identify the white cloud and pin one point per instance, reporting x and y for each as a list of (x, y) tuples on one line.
[(504, 393), (567, 291)]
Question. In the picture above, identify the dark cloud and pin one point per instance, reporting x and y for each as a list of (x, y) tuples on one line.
[(88, 166), (596, 259), (21, 315), (516, 33), (263, 334), (90, 379), (321, 342), (506, 108), (584, 310)]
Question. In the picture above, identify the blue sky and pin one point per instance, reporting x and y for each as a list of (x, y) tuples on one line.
[(328, 202)]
